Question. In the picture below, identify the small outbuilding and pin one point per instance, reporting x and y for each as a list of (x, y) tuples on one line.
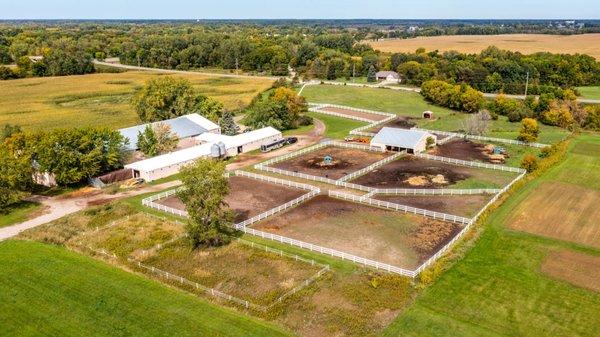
[(387, 76), (428, 114), (394, 139)]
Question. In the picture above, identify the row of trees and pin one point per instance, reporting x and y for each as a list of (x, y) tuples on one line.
[(458, 97), (281, 108)]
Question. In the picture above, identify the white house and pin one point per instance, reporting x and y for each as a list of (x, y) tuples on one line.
[(185, 128), (387, 76), (394, 139), (213, 145)]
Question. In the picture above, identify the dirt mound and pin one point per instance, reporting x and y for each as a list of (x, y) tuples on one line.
[(321, 163)]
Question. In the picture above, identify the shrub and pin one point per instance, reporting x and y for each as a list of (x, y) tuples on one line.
[(529, 163), (529, 130)]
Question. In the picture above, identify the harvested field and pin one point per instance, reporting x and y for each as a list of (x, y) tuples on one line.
[(248, 197), (524, 43), (370, 116), (576, 268), (132, 236), (461, 205), (345, 161), (561, 211), (413, 172), (235, 269), (400, 122), (374, 233)]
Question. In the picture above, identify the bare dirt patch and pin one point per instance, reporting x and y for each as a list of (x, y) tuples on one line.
[(413, 172), (401, 122), (576, 268), (461, 149), (370, 116), (461, 205), (374, 233), (561, 211), (344, 162), (235, 269), (248, 197)]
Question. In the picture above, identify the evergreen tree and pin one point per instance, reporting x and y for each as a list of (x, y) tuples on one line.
[(227, 124), (372, 74)]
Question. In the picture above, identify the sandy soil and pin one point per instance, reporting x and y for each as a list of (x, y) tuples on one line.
[(345, 161), (249, 197)]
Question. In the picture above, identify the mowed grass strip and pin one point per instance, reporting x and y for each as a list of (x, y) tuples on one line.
[(576, 268), (47, 290), (412, 104), (589, 92), (498, 289), (104, 98)]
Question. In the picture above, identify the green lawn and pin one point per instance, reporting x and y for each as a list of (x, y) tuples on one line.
[(19, 212), (589, 92), (47, 290), (497, 289), (336, 127), (412, 104)]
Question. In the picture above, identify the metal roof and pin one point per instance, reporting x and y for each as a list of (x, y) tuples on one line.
[(407, 139), (172, 158), (386, 74), (184, 126), (241, 139)]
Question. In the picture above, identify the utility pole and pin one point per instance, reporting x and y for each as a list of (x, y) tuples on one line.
[(526, 84), (353, 71)]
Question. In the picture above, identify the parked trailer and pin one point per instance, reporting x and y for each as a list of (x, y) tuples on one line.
[(273, 146)]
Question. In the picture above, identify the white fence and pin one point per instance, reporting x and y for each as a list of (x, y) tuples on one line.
[(484, 138), (403, 208), (337, 114), (435, 191), (373, 112), (371, 167), (150, 202), (470, 163)]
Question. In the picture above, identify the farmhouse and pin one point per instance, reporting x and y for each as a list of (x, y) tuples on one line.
[(393, 139), (387, 76), (213, 145), (185, 128)]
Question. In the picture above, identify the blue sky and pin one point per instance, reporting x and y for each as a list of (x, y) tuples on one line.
[(299, 9)]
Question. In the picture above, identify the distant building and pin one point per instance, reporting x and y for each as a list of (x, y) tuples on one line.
[(387, 76), (428, 114), (394, 139), (185, 128)]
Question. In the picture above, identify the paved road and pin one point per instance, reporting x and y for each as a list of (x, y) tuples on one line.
[(57, 207), (171, 71)]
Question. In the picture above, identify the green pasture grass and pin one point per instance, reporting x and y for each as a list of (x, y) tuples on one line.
[(337, 127), (48, 290), (497, 289), (103, 99), (19, 212), (589, 92)]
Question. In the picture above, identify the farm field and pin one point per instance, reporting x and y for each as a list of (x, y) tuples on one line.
[(499, 286), (248, 197), (84, 100), (40, 283), (344, 162), (524, 43), (411, 104), (413, 172), (395, 238), (589, 92), (462, 205)]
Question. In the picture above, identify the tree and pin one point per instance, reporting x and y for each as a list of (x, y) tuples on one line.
[(8, 130), (559, 114), (165, 98), (147, 141), (156, 139), (203, 194), (477, 124), (227, 124), (372, 74), (529, 162), (15, 176), (66, 57), (208, 107), (282, 109), (529, 130)]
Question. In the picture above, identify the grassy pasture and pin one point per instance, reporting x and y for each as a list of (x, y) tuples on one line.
[(576, 268), (336, 127), (412, 104), (499, 289), (19, 212), (524, 43), (47, 290), (589, 92), (103, 98)]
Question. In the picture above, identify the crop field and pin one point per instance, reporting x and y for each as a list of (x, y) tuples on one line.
[(391, 237), (344, 161), (524, 43), (248, 197), (499, 283), (411, 105), (103, 98), (413, 172), (235, 269), (462, 205)]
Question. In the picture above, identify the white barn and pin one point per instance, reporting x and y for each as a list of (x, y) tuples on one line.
[(168, 164), (394, 139)]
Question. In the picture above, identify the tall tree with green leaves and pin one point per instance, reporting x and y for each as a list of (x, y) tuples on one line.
[(156, 139), (227, 124), (204, 190), (164, 98)]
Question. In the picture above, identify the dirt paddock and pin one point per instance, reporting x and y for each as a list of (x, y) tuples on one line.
[(370, 116), (345, 161), (396, 238), (413, 172), (248, 197), (461, 149), (462, 205), (401, 122)]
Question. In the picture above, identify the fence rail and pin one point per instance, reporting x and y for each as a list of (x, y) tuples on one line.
[(470, 163), (371, 167), (434, 191), (489, 139), (150, 202)]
